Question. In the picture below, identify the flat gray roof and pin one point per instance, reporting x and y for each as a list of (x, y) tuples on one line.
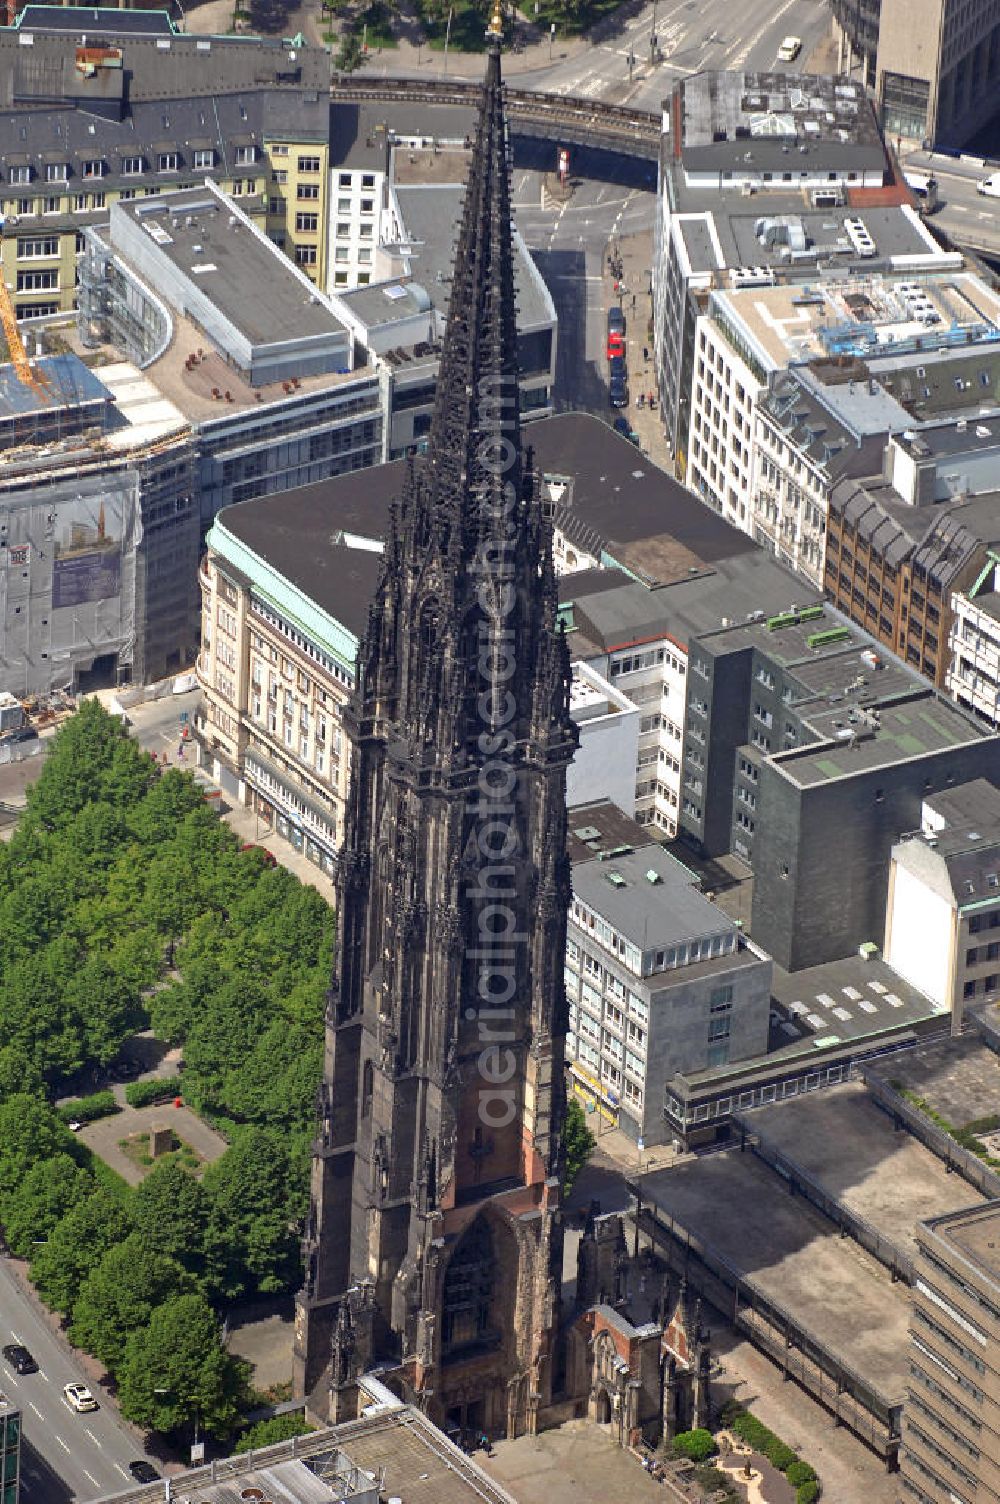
[(956, 1078), (854, 1150), (827, 121), (432, 213), (913, 728), (650, 914), (249, 280), (755, 237), (795, 1256), (975, 1234)]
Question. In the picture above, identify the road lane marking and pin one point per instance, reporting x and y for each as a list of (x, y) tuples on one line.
[(91, 1477), (121, 1469), (11, 1380), (36, 1410), (43, 1375), (62, 1444), (16, 1338), (92, 1437)]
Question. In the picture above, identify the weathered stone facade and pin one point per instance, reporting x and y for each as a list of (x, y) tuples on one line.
[(434, 1241)]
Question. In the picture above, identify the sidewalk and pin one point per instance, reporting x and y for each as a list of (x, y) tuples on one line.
[(635, 252)]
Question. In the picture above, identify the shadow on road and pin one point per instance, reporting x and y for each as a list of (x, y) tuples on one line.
[(579, 386), (39, 1478)]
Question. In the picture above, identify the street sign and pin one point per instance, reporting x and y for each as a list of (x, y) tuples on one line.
[(184, 716), (197, 1451), (640, 1144)]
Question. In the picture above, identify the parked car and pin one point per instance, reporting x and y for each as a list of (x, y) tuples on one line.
[(989, 186), (616, 320), (616, 346), (789, 49), (143, 1471), (78, 1397), (618, 391), (617, 367), (19, 1358)]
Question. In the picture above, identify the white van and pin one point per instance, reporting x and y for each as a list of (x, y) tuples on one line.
[(990, 186)]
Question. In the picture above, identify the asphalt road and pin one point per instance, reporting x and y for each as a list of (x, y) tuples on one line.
[(568, 243), (691, 37), (64, 1455), (967, 216)]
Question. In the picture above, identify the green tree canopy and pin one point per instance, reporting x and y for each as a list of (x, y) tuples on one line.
[(43, 1196), (77, 1244), (177, 1374), (578, 1142), (252, 1243), (171, 1214), (117, 1297)]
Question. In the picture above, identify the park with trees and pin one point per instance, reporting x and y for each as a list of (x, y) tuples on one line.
[(127, 904)]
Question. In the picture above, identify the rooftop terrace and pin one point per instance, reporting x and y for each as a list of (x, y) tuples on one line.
[(852, 1148), (795, 1256), (861, 315)]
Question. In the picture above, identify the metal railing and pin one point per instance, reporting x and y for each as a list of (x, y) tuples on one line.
[(855, 1401), (940, 1143), (637, 131), (889, 1254)]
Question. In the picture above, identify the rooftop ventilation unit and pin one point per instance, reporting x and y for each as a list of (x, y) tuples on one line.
[(857, 234), (751, 276), (587, 833), (652, 876), (615, 879)]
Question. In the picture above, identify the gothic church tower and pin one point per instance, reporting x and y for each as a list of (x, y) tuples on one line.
[(434, 1238)]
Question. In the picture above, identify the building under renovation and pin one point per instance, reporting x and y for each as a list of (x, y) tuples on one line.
[(98, 533)]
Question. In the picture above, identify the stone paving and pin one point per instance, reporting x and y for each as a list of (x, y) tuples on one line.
[(104, 1135)]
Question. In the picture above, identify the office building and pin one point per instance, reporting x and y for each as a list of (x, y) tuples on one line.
[(974, 644), (813, 751), (748, 336), (951, 1414), (934, 68), (107, 105), (758, 173), (660, 981), (400, 317), (896, 565), (235, 337), (942, 923), (382, 1449), (10, 1451)]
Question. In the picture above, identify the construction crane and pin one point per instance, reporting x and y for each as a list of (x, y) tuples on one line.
[(23, 369)]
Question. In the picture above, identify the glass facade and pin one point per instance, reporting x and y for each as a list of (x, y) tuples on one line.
[(905, 102), (10, 1454)]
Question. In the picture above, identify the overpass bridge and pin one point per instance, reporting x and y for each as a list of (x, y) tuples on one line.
[(563, 120)]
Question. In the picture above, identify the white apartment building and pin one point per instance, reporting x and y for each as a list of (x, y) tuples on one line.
[(654, 676), (739, 460), (358, 218), (725, 391), (973, 676)]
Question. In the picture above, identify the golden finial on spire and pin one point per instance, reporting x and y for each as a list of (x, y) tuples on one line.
[(495, 28)]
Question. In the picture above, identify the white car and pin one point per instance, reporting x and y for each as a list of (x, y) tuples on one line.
[(789, 49), (79, 1398), (989, 186)]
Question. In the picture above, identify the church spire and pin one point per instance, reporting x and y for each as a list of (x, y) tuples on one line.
[(479, 358)]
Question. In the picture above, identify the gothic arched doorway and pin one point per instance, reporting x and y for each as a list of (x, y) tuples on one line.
[(602, 1408)]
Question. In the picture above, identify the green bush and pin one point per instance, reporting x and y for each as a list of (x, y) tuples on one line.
[(279, 1428), (101, 1104), (145, 1093), (799, 1472), (806, 1493), (779, 1455), (699, 1445)]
